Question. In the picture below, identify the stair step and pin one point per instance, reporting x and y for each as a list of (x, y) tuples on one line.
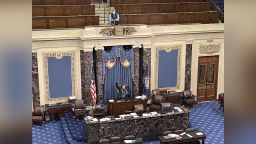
[(102, 18), (67, 133), (102, 15)]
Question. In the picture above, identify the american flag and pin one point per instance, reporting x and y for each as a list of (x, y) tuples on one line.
[(93, 90), (146, 81)]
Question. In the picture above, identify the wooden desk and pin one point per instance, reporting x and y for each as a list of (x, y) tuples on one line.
[(139, 127), (55, 110), (184, 139), (117, 108)]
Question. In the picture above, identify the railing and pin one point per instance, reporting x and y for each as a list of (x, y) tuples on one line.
[(221, 15)]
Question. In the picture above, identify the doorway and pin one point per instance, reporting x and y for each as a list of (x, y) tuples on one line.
[(207, 78)]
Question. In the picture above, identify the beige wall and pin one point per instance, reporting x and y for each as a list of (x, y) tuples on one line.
[(215, 47), (153, 37)]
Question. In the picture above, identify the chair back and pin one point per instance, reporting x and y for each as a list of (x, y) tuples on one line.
[(166, 107), (156, 92), (38, 111), (163, 91), (79, 104), (158, 99), (187, 94)]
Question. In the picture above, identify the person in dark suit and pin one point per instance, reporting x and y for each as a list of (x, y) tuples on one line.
[(122, 91), (114, 17)]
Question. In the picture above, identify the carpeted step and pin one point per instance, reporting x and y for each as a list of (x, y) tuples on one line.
[(67, 133), (77, 127)]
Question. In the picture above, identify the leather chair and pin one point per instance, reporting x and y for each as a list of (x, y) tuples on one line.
[(178, 131), (130, 137), (190, 129), (37, 115), (79, 108), (188, 99), (139, 108), (116, 140), (156, 103), (167, 132), (156, 92), (99, 111), (104, 141), (221, 100), (163, 91), (134, 139), (166, 107)]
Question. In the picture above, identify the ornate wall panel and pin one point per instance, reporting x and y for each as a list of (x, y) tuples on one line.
[(188, 66), (136, 72), (86, 73), (99, 74), (35, 81), (147, 59), (59, 54)]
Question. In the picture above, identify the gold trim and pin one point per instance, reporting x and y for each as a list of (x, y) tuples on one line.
[(58, 55), (168, 49)]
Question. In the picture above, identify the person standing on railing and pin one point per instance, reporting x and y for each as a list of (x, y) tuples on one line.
[(114, 17)]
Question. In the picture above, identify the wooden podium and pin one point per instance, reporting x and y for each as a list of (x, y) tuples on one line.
[(118, 108)]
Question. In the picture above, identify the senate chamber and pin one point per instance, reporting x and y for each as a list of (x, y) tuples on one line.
[(128, 71)]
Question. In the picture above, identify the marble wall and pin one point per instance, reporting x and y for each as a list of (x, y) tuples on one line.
[(188, 66), (147, 59), (86, 74), (136, 72), (35, 81), (99, 74)]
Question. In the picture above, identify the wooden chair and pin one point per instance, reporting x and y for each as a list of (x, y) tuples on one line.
[(79, 108), (99, 111), (37, 115), (221, 101), (156, 103), (188, 99)]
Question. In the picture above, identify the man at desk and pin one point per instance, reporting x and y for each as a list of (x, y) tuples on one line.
[(114, 17), (122, 91)]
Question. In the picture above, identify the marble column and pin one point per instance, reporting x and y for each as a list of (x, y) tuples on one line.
[(188, 66), (35, 81), (86, 59), (99, 74), (146, 59), (136, 72)]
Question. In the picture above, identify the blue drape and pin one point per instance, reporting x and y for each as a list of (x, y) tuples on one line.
[(118, 74)]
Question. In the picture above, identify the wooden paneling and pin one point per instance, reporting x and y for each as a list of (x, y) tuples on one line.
[(115, 2), (171, 18), (117, 108), (61, 2), (163, 8), (38, 11), (63, 10), (57, 23), (64, 22)]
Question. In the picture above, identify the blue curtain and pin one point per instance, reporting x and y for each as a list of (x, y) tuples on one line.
[(118, 73)]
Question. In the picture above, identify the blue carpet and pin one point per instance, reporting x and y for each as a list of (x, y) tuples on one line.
[(48, 133), (204, 118), (69, 130), (76, 127)]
